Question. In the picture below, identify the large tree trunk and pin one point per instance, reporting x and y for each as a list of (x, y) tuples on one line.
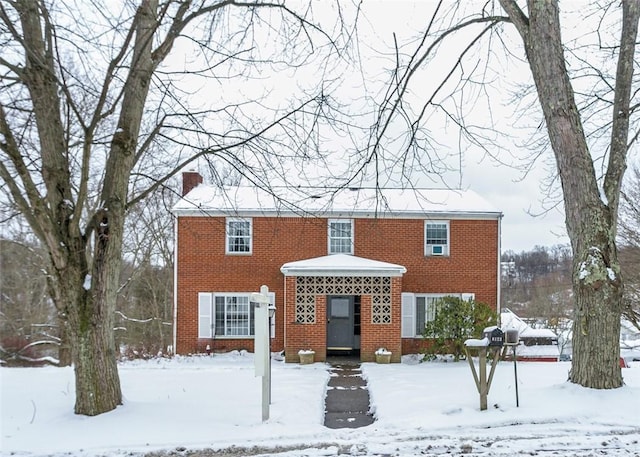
[(591, 222), (85, 275), (597, 294), (87, 304)]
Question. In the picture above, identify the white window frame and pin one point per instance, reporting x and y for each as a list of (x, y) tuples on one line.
[(229, 235), (428, 247), (411, 313), (330, 237), (207, 327)]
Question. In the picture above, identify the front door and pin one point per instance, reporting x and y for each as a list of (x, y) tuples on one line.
[(340, 324)]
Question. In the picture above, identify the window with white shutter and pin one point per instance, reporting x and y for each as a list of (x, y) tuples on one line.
[(228, 315), (418, 309)]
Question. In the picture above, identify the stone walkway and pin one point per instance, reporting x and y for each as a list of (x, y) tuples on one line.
[(347, 402)]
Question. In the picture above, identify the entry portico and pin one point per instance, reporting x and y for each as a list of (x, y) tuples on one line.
[(342, 302)]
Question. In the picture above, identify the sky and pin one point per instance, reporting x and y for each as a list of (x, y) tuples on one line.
[(491, 111), (429, 408), (359, 84)]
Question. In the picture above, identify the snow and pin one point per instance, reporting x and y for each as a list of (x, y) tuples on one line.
[(472, 342), (341, 264), (87, 282), (430, 408), (364, 202)]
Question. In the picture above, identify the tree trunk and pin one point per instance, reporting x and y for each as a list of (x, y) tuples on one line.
[(591, 222), (87, 304), (96, 371), (65, 358)]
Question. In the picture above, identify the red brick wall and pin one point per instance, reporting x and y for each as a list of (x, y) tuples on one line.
[(375, 336), (203, 266)]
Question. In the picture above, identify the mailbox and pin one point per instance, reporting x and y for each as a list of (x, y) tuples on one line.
[(511, 337), (494, 335)]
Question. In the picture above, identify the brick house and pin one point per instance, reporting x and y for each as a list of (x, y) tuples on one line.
[(351, 270)]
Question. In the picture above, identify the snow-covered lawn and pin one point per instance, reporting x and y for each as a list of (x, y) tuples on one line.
[(188, 403)]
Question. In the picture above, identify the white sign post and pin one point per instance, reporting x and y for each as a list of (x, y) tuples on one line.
[(262, 355)]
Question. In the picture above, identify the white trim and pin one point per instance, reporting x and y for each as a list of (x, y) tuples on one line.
[(341, 265), (175, 286), (499, 275), (428, 248), (351, 240), (226, 235)]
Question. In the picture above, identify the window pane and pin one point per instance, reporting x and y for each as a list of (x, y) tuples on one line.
[(237, 322), (436, 234), (430, 308), (239, 236), (233, 316), (219, 315), (340, 241), (420, 313)]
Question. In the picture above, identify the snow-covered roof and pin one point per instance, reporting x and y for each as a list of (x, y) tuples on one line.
[(509, 320), (357, 202), (539, 351), (341, 265)]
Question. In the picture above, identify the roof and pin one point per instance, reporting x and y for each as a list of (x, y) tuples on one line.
[(509, 320), (341, 265), (358, 202)]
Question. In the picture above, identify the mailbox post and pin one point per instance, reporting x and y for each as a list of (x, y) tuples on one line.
[(262, 350), (493, 342), (512, 338)]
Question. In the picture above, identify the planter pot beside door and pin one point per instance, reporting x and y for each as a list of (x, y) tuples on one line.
[(384, 357), (306, 357)]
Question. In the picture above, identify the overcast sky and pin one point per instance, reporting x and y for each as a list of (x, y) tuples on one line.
[(533, 214)]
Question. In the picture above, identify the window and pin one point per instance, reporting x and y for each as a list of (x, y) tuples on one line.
[(340, 236), (436, 238), (234, 316), (418, 309), (228, 315), (239, 236)]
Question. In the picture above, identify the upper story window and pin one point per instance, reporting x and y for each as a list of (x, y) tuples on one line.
[(239, 236), (340, 236), (436, 238)]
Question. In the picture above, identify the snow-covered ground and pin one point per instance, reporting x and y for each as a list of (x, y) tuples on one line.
[(183, 404)]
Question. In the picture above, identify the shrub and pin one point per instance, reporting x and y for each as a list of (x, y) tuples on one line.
[(457, 320)]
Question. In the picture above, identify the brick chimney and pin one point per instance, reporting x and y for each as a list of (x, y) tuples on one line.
[(190, 179)]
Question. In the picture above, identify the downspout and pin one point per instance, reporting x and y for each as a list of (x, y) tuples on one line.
[(284, 315), (175, 284), (499, 294)]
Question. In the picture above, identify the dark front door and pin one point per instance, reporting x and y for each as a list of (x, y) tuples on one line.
[(340, 328)]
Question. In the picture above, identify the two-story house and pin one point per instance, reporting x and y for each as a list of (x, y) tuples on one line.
[(348, 270)]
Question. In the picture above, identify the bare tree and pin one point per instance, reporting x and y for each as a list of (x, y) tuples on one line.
[(95, 115), (630, 252), (145, 301), (575, 132), (28, 325)]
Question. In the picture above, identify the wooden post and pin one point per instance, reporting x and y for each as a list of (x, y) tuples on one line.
[(483, 384), (483, 378)]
